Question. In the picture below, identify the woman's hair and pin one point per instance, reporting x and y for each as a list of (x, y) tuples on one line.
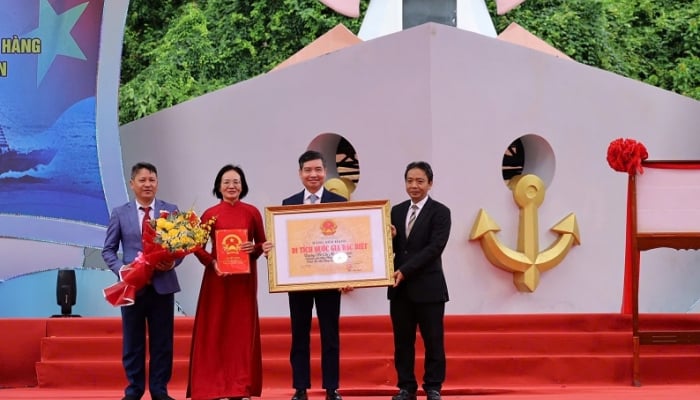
[(217, 182)]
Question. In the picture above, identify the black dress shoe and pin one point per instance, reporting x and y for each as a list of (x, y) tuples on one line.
[(300, 394), (433, 395), (333, 395), (404, 394), (161, 397)]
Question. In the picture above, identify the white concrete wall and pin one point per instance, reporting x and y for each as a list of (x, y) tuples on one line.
[(455, 99)]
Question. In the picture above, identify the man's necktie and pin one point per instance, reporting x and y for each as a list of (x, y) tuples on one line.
[(411, 219), (313, 198), (146, 218), (144, 223)]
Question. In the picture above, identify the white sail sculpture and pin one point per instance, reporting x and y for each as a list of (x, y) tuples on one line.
[(384, 17)]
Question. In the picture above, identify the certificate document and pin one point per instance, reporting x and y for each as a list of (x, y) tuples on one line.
[(324, 246), (329, 246), (229, 257)]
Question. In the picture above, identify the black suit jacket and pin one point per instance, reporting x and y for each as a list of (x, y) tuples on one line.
[(327, 197), (419, 257)]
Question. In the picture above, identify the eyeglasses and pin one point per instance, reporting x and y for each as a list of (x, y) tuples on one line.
[(231, 183)]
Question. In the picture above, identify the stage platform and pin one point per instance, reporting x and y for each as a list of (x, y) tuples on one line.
[(652, 392), (564, 356)]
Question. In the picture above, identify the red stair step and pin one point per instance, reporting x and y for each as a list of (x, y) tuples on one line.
[(484, 352)]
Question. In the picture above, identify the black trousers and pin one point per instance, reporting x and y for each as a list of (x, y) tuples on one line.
[(406, 315), (154, 312), (328, 312)]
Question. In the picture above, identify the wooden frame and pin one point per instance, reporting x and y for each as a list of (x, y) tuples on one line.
[(648, 240), (329, 245)]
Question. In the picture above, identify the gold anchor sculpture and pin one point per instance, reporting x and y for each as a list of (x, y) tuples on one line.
[(527, 262)]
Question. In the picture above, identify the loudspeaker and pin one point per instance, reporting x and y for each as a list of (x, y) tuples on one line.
[(66, 291)]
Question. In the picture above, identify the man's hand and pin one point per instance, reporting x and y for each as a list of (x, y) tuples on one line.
[(398, 277), (165, 265), (346, 289)]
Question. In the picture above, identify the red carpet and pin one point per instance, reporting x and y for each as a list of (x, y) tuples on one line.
[(487, 354), (650, 392)]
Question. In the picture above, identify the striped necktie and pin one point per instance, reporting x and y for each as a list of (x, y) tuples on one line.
[(313, 198), (411, 219)]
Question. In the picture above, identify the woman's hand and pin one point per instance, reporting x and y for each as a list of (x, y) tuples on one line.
[(266, 247), (247, 247), (217, 270)]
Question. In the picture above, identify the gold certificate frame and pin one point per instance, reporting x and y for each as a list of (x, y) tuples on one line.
[(329, 245)]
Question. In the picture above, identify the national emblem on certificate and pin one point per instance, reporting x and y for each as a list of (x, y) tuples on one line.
[(229, 257)]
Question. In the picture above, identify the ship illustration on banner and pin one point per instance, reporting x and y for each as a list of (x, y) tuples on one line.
[(12, 160)]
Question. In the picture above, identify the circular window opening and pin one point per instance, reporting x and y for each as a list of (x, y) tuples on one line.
[(528, 154), (342, 165)]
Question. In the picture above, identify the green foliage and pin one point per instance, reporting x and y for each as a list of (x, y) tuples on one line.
[(685, 77), (255, 36), (210, 44), (178, 49), (181, 66), (654, 41), (145, 23)]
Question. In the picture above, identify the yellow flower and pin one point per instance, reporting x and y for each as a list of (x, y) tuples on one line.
[(164, 224), (182, 231)]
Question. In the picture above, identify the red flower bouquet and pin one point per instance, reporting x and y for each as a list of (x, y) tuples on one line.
[(626, 155), (165, 239)]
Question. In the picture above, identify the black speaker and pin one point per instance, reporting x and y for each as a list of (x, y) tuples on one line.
[(66, 292)]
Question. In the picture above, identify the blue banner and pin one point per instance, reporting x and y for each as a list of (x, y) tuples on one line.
[(49, 166)]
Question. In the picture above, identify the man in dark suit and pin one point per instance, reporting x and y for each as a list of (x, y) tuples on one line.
[(420, 228), (154, 304), (312, 171)]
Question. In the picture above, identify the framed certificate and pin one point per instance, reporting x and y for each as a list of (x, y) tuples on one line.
[(329, 245), (229, 257)]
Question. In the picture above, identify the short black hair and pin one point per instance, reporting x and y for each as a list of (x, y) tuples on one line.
[(420, 165), (310, 155), (142, 165), (217, 182)]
